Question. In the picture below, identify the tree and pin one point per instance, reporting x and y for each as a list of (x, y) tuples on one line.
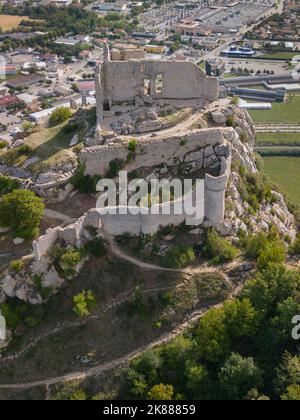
[(196, 378), (218, 248), (60, 115), (255, 244), (174, 356), (8, 185), (271, 287), (22, 211), (27, 127), (161, 392), (137, 384), (292, 393), (78, 395), (212, 336), (274, 253), (282, 321), (238, 376), (84, 303), (241, 318), (287, 373), (148, 365)]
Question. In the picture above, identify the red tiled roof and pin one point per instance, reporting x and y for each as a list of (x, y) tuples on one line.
[(7, 100)]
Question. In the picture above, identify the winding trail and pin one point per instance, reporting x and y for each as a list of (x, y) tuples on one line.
[(99, 369)]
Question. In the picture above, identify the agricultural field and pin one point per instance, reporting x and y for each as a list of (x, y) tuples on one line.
[(277, 139), (8, 22), (285, 112), (285, 172)]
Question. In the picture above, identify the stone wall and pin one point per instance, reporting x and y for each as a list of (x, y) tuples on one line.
[(153, 152), (71, 235), (124, 81)]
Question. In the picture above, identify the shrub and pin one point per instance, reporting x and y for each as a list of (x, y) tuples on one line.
[(274, 253), (179, 256), (16, 265), (95, 248), (3, 144), (60, 115), (45, 292), (73, 126), (22, 211), (84, 303), (84, 183), (115, 166), (161, 392), (255, 244), (68, 261), (231, 122), (218, 249), (7, 185), (235, 100), (132, 145)]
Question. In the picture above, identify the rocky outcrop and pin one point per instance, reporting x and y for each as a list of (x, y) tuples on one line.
[(239, 214)]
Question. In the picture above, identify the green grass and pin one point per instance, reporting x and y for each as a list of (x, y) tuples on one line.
[(281, 55), (278, 139), (284, 112), (50, 144), (285, 172)]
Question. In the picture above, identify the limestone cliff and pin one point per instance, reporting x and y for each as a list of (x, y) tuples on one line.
[(243, 211)]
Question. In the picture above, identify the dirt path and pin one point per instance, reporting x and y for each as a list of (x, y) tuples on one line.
[(222, 270), (52, 214), (204, 268), (98, 370)]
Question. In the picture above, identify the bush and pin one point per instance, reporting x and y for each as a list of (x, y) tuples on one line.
[(16, 265), (235, 100), (115, 166), (230, 122), (132, 145), (255, 244), (94, 248), (17, 313), (274, 253), (3, 144), (161, 392), (22, 211), (8, 185), (68, 261), (60, 115), (218, 249), (84, 183), (84, 303), (179, 256)]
